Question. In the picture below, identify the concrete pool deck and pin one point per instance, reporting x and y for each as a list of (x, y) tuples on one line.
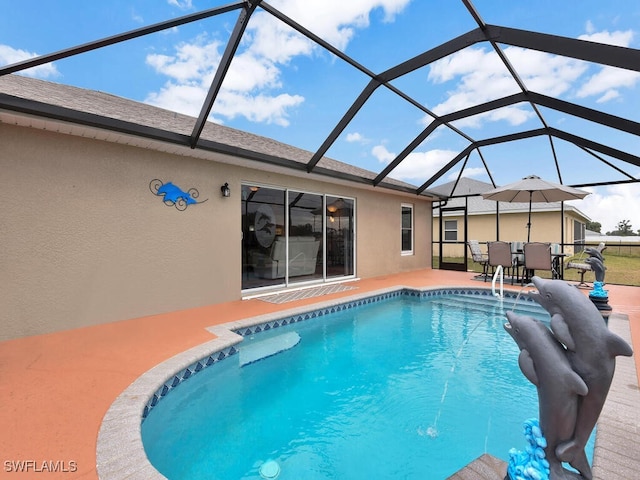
[(55, 389)]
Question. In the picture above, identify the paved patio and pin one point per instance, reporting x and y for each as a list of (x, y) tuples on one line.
[(55, 389)]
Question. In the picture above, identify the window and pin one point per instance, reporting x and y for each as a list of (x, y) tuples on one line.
[(407, 229), (579, 232), (451, 230)]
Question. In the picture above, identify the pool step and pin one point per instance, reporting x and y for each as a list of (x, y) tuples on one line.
[(253, 352), (488, 304)]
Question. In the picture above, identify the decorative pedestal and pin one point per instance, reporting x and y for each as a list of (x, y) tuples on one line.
[(600, 299)]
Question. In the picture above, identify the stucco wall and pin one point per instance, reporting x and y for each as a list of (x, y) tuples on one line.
[(84, 241), (379, 243)]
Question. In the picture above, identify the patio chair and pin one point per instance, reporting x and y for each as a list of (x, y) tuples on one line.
[(537, 256), (517, 255), (500, 254), (478, 257), (583, 267)]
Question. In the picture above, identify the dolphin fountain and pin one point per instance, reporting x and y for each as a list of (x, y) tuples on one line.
[(544, 362), (579, 342)]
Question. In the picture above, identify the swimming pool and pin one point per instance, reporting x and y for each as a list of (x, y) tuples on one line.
[(399, 388)]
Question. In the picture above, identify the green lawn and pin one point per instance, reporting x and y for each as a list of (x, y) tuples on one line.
[(622, 268)]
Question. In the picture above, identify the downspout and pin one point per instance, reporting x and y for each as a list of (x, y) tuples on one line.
[(562, 239)]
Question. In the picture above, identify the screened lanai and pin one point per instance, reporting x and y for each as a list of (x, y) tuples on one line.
[(480, 88)]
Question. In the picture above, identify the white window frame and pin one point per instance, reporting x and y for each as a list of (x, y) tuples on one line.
[(450, 230), (411, 229)]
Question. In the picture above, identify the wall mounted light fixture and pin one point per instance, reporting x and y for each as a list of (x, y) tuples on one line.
[(226, 191)]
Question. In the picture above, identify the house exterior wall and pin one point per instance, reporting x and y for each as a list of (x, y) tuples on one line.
[(85, 241), (545, 227), (379, 243)]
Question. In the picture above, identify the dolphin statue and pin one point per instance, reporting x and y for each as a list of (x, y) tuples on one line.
[(544, 362), (591, 351), (594, 252), (598, 268)]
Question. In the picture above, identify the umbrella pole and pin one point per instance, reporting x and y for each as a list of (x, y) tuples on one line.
[(529, 223)]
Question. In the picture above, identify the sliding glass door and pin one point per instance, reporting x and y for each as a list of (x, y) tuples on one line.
[(291, 237), (340, 236)]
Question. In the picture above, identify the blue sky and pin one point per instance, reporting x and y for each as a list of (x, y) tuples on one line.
[(285, 87)]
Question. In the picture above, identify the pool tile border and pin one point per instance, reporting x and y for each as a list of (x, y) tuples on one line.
[(120, 452), (185, 374), (346, 305)]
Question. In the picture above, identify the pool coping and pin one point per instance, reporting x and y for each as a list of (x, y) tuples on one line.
[(120, 452)]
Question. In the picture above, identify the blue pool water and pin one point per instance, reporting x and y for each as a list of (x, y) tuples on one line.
[(400, 389)]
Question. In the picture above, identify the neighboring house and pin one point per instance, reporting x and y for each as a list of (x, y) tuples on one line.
[(100, 225), (547, 222), (619, 244), (597, 237)]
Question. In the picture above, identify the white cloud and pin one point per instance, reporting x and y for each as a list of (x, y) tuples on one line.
[(544, 73), (609, 95), (356, 137), (608, 80), (275, 42), (182, 98), (382, 154), (336, 20), (181, 4), (619, 38), (192, 62), (468, 172), (9, 55), (612, 204), (253, 85), (259, 108), (481, 77), (417, 166), (136, 17), (192, 69)]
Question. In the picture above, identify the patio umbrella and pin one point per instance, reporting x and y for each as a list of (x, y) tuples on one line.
[(534, 189)]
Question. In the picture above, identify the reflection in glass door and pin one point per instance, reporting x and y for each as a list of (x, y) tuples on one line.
[(263, 237)]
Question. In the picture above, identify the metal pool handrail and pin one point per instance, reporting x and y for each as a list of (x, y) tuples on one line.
[(499, 273)]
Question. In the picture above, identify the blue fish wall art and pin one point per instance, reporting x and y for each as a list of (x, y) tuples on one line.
[(174, 195)]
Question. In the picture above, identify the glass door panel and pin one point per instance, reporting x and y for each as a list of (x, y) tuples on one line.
[(263, 237), (340, 236), (305, 237)]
